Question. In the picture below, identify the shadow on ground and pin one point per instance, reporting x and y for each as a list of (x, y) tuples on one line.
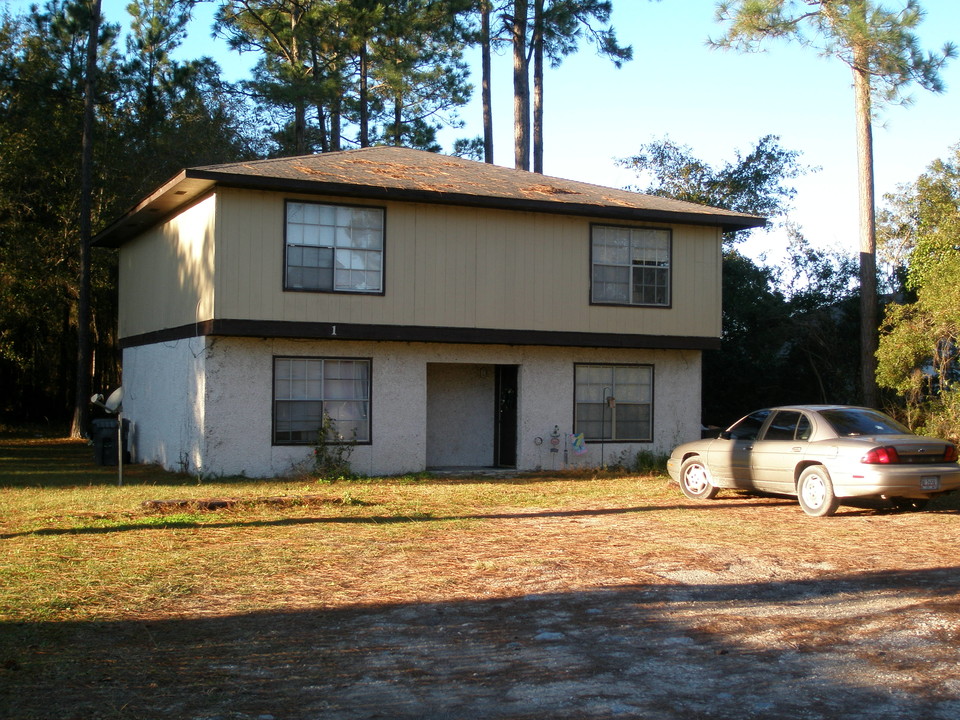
[(871, 645)]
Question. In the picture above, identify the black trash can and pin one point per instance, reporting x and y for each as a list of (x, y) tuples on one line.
[(104, 436)]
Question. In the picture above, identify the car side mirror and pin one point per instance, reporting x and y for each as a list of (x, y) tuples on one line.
[(725, 435)]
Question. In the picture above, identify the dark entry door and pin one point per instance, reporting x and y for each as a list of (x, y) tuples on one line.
[(505, 422)]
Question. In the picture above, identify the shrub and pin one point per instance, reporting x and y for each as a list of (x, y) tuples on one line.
[(331, 454)]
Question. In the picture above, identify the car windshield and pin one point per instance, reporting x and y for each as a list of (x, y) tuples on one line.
[(860, 421)]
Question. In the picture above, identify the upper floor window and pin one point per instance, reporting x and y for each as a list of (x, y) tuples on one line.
[(631, 266), (334, 248)]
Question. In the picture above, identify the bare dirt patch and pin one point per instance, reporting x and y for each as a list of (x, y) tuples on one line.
[(647, 607)]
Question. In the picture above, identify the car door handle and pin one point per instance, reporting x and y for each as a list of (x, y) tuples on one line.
[(797, 449)]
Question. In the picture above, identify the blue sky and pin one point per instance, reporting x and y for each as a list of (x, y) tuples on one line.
[(714, 101)]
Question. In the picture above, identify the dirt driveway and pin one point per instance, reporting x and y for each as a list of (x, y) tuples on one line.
[(617, 616)]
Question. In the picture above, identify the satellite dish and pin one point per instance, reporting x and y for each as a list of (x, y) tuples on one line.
[(114, 406), (114, 403)]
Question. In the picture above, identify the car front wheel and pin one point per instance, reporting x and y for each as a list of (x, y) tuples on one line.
[(695, 480), (815, 492)]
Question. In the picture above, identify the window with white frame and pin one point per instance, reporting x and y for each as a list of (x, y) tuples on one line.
[(334, 248), (306, 389), (630, 266), (614, 402)]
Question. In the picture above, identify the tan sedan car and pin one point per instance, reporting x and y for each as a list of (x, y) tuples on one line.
[(820, 454)]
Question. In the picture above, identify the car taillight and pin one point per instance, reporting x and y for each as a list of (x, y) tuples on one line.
[(950, 453), (882, 456)]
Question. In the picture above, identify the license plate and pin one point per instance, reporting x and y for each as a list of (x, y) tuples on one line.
[(930, 482)]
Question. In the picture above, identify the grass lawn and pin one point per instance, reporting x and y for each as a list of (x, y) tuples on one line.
[(78, 547), (426, 597)]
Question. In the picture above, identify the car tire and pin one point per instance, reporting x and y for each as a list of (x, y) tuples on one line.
[(910, 504), (695, 480), (815, 492)]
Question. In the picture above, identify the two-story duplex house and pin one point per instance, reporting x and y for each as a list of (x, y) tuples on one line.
[(443, 312)]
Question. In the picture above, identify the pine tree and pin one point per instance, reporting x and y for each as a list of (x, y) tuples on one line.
[(552, 31), (881, 49)]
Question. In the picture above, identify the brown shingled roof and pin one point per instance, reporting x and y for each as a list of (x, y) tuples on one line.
[(394, 173)]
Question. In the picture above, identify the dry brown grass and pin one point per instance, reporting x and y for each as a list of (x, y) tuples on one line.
[(77, 547), (88, 574)]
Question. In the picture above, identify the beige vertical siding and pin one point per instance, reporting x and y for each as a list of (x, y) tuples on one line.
[(445, 266), (166, 274)]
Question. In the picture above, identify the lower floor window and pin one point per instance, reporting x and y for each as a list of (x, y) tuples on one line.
[(614, 402), (307, 389)]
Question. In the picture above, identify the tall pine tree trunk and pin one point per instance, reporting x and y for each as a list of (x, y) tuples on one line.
[(485, 92), (300, 126), (336, 109), (318, 105), (868, 232), (322, 126), (364, 97), (538, 21), (397, 120), (81, 400), (300, 103), (521, 87), (335, 129)]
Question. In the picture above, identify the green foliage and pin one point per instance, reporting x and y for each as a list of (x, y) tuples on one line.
[(41, 80), (469, 148), (754, 183), (331, 454), (920, 340), (863, 34), (565, 23), (153, 117), (924, 213), (935, 201), (789, 333), (881, 48), (643, 462), (649, 463), (363, 71)]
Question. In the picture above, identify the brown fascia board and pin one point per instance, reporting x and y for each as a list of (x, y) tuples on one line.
[(192, 183), (180, 190), (321, 331)]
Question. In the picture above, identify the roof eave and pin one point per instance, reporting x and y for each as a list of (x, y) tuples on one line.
[(190, 184), (180, 190)]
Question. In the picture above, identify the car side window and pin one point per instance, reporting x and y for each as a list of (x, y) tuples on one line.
[(804, 429), (749, 427), (783, 426)]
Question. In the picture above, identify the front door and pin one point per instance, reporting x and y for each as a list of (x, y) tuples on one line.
[(505, 419), (776, 455), (729, 456)]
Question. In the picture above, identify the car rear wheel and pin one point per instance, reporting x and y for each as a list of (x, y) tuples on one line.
[(695, 480), (815, 492)]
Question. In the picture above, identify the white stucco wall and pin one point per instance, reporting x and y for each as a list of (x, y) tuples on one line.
[(163, 400), (205, 405)]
